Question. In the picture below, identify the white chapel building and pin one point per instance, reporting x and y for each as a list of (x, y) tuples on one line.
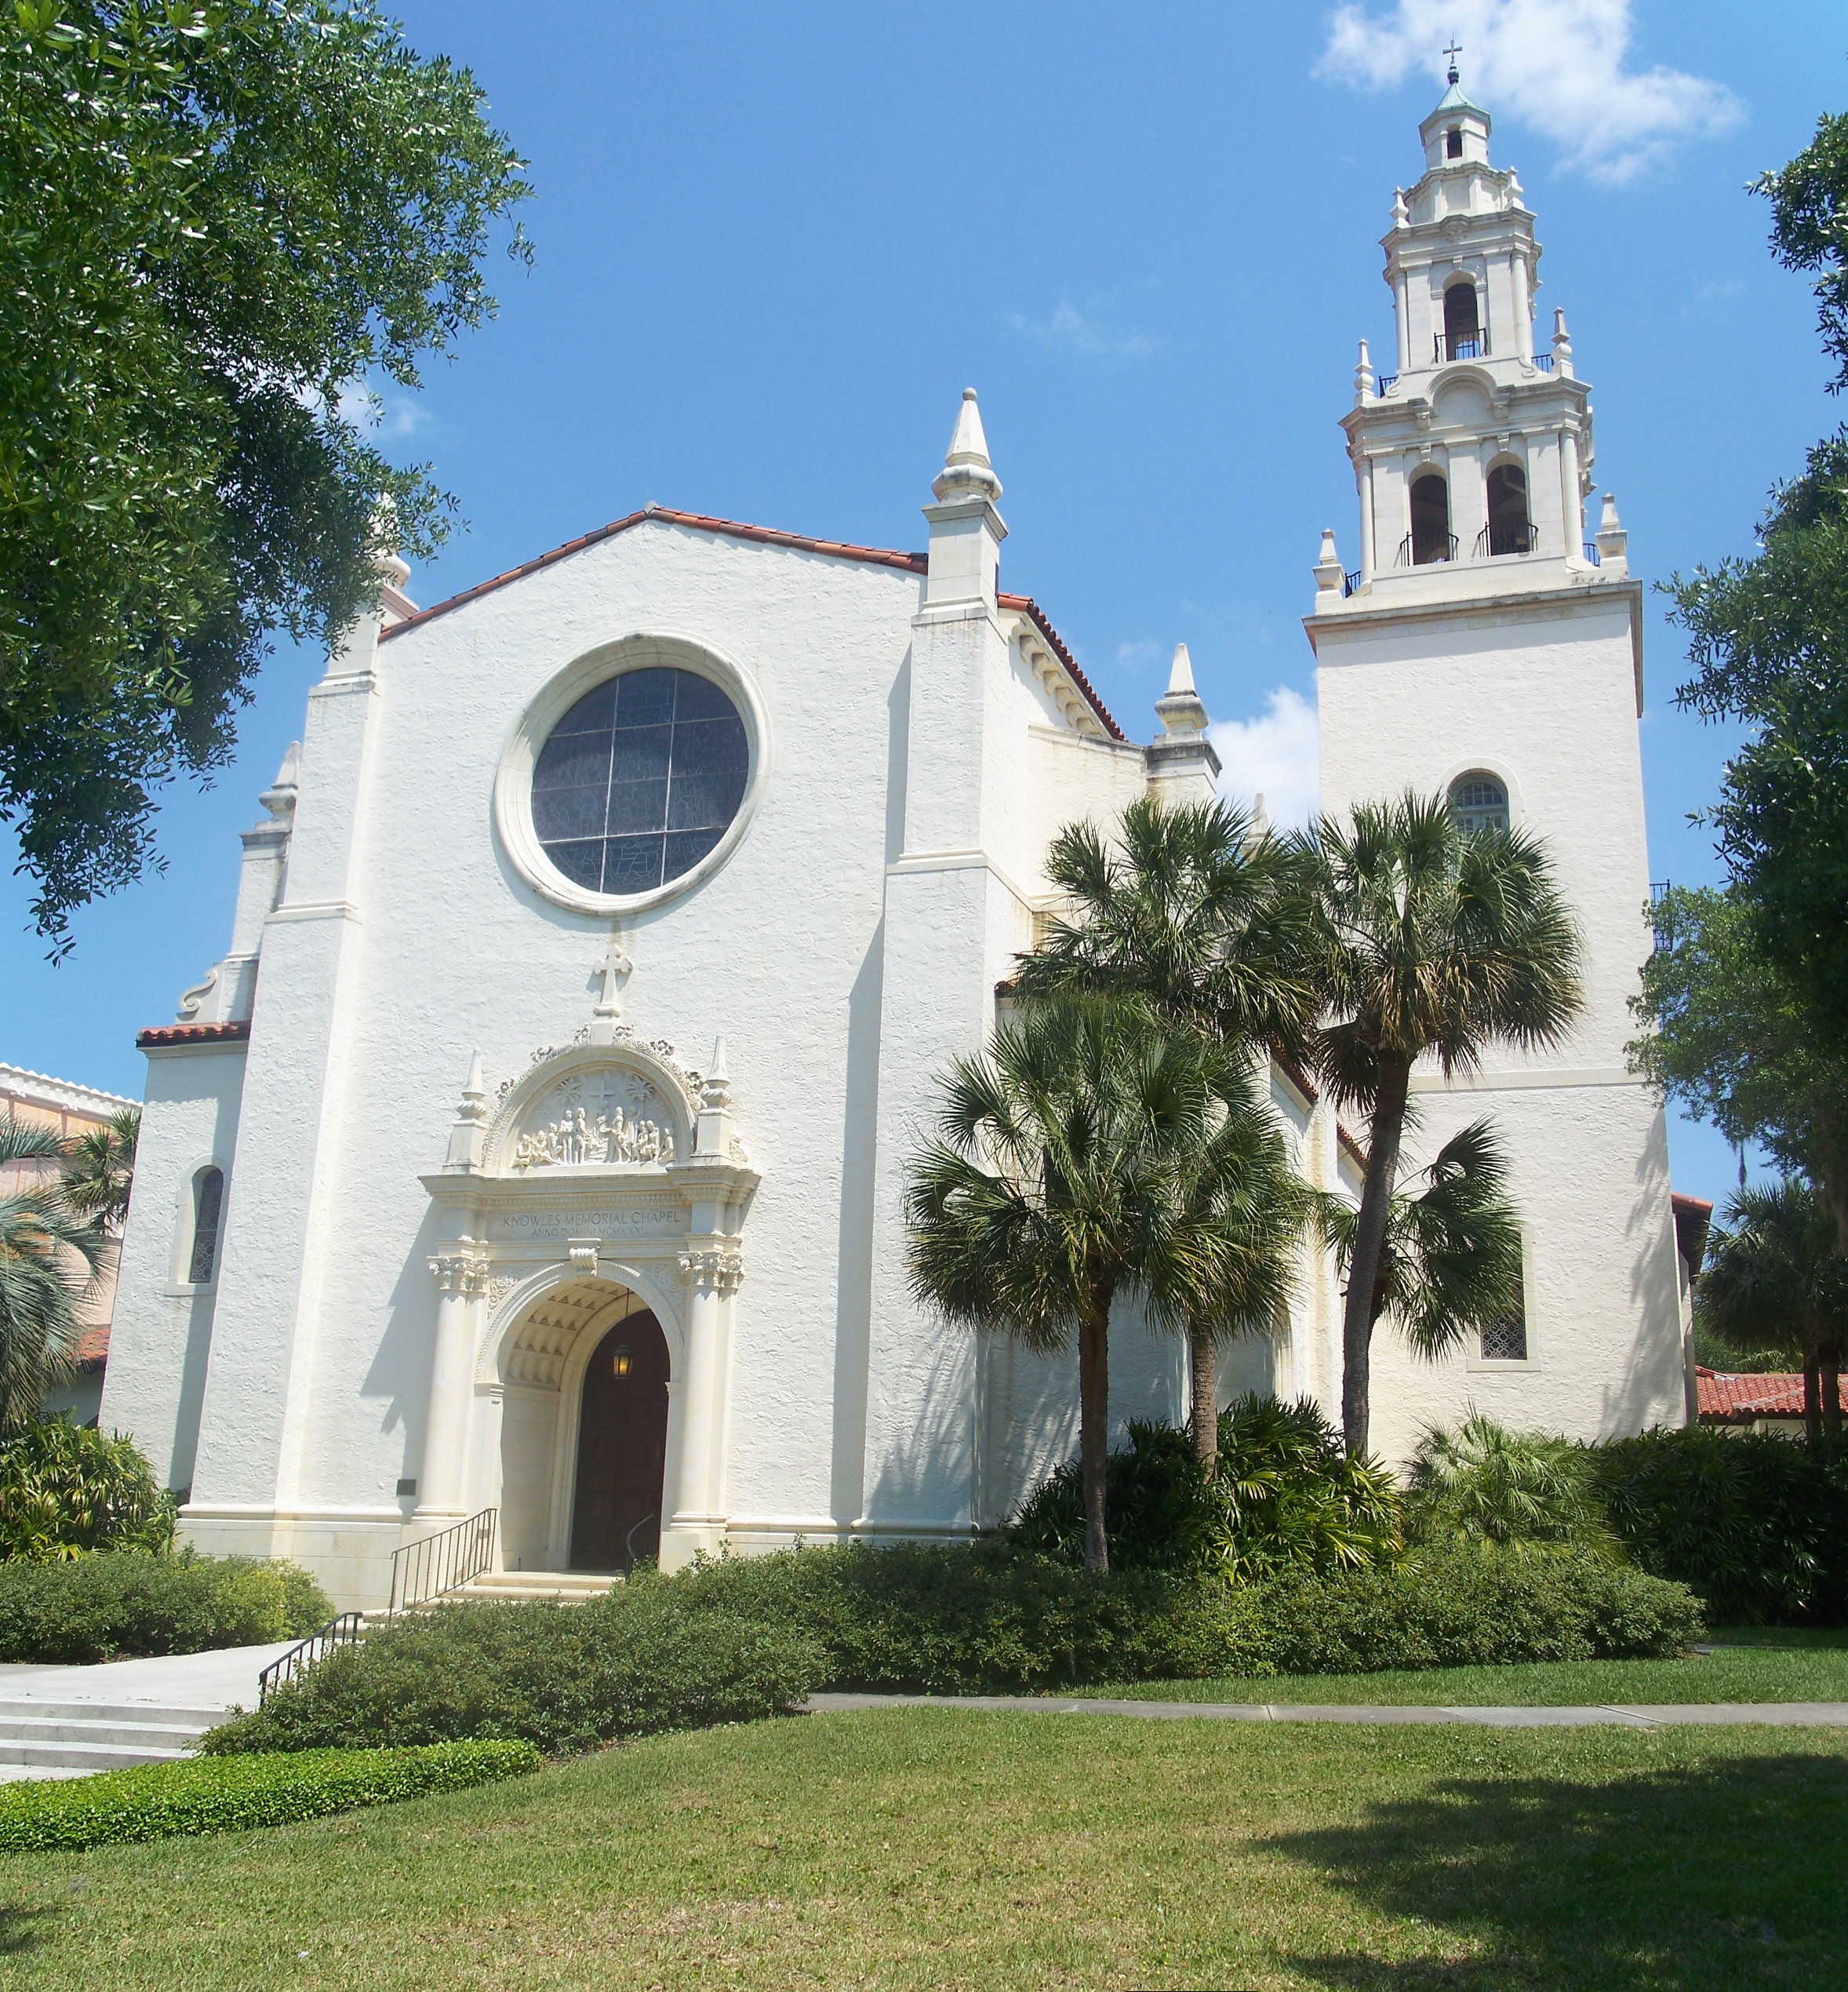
[(539, 1145)]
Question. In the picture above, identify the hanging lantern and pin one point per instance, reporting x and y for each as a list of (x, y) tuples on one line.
[(625, 1361)]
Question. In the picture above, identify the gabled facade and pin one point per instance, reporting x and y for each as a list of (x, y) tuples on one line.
[(691, 853)]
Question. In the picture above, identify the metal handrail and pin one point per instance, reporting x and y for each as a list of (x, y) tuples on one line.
[(1473, 344), (1350, 583), (1405, 553), (1592, 554), (1543, 362), (343, 1630), (1382, 382), (1493, 541), (434, 1565)]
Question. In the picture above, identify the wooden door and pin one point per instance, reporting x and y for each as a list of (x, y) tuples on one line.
[(622, 1448)]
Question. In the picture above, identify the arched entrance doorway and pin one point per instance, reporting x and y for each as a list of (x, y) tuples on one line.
[(622, 1448)]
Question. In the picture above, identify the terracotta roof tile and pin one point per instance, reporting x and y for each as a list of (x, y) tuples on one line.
[(913, 563), (1726, 1398), (93, 1348), (159, 1037)]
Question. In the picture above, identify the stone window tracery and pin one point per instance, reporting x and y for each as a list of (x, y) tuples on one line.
[(1478, 801), (640, 779), (208, 1206)]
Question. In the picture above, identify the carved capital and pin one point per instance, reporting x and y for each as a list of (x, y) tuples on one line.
[(583, 1253), (460, 1273), (720, 1271)]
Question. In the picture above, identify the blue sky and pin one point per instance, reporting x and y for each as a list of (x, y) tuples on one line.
[(774, 243)]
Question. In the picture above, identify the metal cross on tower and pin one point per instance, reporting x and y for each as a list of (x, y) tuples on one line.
[(1453, 51)]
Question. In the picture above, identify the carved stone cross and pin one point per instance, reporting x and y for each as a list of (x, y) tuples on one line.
[(615, 968)]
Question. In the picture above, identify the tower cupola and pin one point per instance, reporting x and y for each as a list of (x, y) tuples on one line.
[(1472, 455)]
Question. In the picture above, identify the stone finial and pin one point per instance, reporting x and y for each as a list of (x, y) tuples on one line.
[(967, 472), (1401, 215), (1179, 708), (279, 798), (1562, 344), (716, 1090), (468, 1139), (1363, 374), (1612, 541), (388, 563), (1516, 197), (1329, 573)]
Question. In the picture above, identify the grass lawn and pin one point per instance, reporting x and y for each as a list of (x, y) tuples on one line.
[(1760, 1664), (935, 1848)]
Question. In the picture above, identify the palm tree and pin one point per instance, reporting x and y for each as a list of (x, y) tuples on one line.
[(1451, 1261), (1490, 1488), (1431, 942), (48, 1257), (1250, 1208), (1200, 915), (1197, 913), (1058, 1181), (1773, 1277), (101, 1170)]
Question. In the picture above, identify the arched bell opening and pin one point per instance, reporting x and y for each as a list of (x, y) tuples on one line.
[(1463, 326), (1509, 530), (1431, 539)]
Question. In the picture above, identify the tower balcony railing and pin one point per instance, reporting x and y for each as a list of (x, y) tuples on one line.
[(1460, 345), (1350, 583), (1543, 362), (1493, 541), (1592, 554), (1384, 384), (1427, 555)]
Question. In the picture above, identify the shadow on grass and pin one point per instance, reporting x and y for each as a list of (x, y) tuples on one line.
[(25, 1929), (1720, 1874)]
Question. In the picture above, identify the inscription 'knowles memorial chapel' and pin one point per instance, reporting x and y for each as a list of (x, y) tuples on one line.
[(539, 1143)]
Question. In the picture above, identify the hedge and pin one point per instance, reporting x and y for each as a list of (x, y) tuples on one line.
[(65, 1488), (233, 1794), (1757, 1524), (119, 1603), (565, 1678), (988, 1619), (750, 1636)]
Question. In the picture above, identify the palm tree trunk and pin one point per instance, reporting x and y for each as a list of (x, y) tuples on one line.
[(1205, 1407), (1812, 1397), (1370, 1237), (1094, 1425)]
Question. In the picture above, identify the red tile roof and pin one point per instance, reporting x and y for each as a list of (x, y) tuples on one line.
[(1729, 1399), (913, 563), (159, 1037), (93, 1348), (1693, 1216)]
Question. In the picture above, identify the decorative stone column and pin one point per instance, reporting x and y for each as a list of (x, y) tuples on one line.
[(713, 1274), (461, 1275)]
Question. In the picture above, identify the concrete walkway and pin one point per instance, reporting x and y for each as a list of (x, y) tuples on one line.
[(1785, 1715), (189, 1680)]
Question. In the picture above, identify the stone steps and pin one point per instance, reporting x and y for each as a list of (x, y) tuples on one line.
[(526, 1586), (51, 1739)]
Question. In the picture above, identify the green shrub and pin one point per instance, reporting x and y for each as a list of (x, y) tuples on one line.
[(988, 1619), (1757, 1524), (1284, 1495), (1483, 1486), (65, 1488), (1457, 1608), (230, 1795), (113, 1604), (744, 1637), (565, 1677)]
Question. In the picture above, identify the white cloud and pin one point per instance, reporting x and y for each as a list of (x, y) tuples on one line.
[(390, 414), (1273, 755), (1086, 333), (1561, 66), (1141, 656)]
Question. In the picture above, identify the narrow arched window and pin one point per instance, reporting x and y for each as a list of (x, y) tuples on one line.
[(1510, 528), (208, 1207), (1478, 801), (1431, 521), (1463, 335), (1453, 142)]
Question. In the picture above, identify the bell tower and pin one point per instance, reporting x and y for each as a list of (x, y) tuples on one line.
[(1487, 648)]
